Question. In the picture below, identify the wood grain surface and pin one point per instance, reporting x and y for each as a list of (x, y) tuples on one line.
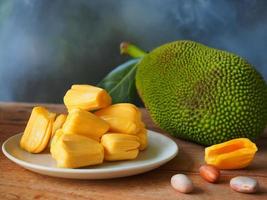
[(19, 183)]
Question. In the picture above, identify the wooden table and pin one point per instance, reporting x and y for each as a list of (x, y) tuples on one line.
[(19, 183)]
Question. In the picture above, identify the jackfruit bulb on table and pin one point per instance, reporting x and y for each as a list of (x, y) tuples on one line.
[(200, 93)]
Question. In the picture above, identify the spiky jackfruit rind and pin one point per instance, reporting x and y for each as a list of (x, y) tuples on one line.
[(202, 94)]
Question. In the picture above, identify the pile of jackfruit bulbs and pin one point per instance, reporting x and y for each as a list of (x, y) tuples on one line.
[(91, 132)]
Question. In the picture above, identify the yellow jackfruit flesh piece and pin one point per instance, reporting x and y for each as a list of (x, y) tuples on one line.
[(86, 97), (46, 138), (120, 146), (38, 130), (121, 125), (143, 139), (233, 154), (73, 151), (122, 118), (54, 140), (58, 123), (85, 123)]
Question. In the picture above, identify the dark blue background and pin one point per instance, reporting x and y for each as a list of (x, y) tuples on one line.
[(45, 46)]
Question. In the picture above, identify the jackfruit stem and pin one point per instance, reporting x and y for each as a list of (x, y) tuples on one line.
[(131, 50)]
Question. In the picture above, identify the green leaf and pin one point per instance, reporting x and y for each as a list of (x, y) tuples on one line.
[(120, 83)]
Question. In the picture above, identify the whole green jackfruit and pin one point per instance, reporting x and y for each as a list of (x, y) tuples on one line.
[(202, 94)]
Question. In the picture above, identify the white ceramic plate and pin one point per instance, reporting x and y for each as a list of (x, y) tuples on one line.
[(161, 149)]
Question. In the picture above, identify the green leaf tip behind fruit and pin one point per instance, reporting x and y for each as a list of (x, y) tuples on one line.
[(120, 82)]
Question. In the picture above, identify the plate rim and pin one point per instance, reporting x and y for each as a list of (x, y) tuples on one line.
[(32, 166)]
